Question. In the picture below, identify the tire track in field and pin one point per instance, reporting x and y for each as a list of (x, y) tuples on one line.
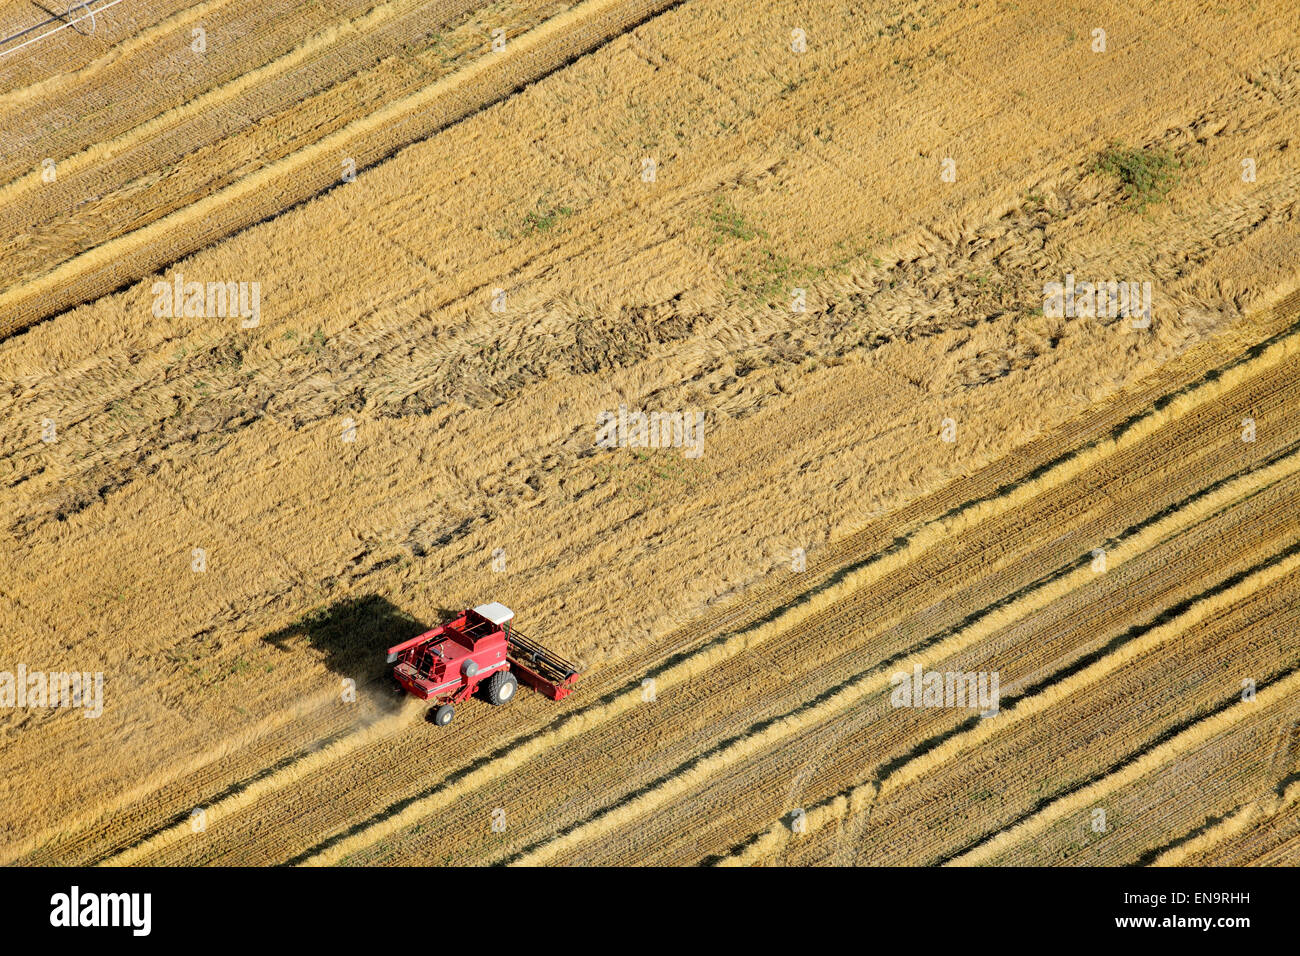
[(939, 809), (116, 477), (1278, 690), (1043, 694), (537, 54), (904, 549)]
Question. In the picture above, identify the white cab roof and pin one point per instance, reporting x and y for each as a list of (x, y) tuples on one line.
[(495, 612)]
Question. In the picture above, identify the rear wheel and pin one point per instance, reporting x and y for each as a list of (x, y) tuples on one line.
[(442, 716), (501, 688)]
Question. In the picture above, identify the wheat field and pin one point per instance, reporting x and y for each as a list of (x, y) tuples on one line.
[(474, 229)]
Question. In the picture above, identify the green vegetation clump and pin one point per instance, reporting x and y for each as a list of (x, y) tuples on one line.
[(728, 222), (544, 220), (1147, 175), (758, 270)]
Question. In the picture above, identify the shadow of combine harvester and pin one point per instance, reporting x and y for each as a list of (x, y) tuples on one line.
[(352, 634)]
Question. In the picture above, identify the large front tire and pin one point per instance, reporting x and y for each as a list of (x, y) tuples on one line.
[(501, 688)]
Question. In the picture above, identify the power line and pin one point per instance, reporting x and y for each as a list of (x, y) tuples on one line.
[(90, 14)]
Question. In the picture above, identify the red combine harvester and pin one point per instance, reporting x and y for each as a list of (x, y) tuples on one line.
[(447, 664)]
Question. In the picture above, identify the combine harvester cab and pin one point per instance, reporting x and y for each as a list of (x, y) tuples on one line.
[(447, 664)]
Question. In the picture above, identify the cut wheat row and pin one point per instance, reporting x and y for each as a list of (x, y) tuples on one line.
[(860, 797), (877, 683), (1279, 693)]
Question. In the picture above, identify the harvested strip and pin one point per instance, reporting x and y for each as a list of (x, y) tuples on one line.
[(1079, 741), (1241, 821), (862, 795), (156, 804), (380, 729), (1275, 693), (877, 682), (128, 46), (99, 152)]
